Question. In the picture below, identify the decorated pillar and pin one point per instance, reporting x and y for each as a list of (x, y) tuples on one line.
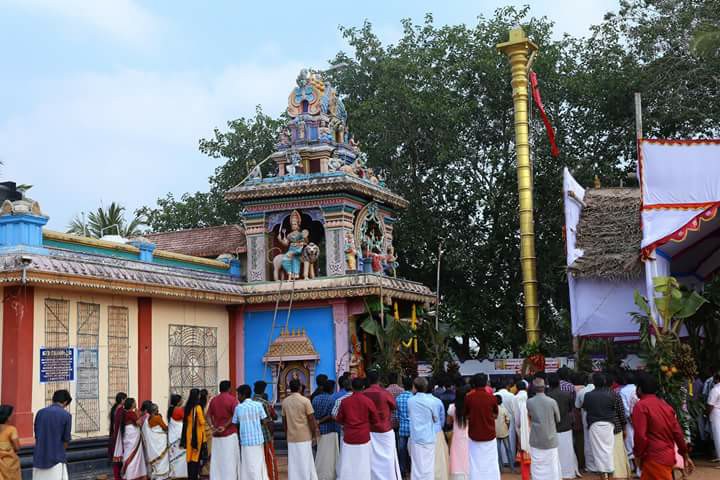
[(256, 247), (144, 349), (340, 249), (17, 355), (236, 352), (342, 335)]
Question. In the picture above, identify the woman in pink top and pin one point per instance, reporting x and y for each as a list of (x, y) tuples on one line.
[(459, 460)]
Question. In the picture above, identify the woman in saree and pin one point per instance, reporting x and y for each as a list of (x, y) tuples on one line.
[(193, 433), (133, 467), (205, 456), (177, 455), (117, 413), (9, 446), (155, 438)]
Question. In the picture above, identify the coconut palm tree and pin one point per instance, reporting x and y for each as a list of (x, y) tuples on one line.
[(107, 221)]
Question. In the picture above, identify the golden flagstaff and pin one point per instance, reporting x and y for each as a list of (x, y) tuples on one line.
[(518, 48)]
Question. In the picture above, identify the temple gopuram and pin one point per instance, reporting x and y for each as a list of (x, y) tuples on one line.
[(277, 298)]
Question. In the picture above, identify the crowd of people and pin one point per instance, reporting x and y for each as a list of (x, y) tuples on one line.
[(548, 426)]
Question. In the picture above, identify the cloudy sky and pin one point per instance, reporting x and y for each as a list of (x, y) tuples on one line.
[(105, 100)]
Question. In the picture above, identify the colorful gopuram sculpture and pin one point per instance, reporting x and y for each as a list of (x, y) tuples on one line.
[(321, 200)]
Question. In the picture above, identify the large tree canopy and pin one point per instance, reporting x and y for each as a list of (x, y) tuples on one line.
[(435, 111)]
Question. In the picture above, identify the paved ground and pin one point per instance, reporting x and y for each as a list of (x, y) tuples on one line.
[(704, 471)]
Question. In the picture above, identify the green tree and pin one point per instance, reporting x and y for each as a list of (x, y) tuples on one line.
[(107, 221), (245, 143)]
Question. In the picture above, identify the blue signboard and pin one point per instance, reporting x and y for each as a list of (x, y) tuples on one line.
[(57, 365)]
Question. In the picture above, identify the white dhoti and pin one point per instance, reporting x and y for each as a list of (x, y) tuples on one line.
[(422, 459), (177, 455), (484, 460), (326, 457), (442, 457), (602, 440), (253, 462), (545, 464), (301, 465), (355, 462), (568, 459), (225, 462), (56, 472), (384, 463)]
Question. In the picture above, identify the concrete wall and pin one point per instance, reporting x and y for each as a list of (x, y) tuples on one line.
[(168, 312), (317, 321), (38, 395)]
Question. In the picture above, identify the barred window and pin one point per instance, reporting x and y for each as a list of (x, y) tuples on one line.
[(57, 335), (87, 406), (193, 358), (118, 352)]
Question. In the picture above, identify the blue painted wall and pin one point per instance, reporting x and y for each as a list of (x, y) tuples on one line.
[(317, 322)]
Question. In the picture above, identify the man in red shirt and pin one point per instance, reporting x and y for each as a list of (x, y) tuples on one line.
[(481, 410), (384, 464), (357, 415), (226, 449), (657, 432)]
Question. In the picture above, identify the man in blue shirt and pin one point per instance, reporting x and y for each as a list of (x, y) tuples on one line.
[(404, 425), (328, 452), (248, 416), (427, 416), (52, 435)]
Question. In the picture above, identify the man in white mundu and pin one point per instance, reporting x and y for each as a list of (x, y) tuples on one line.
[(301, 428), (52, 434), (544, 416), (248, 416), (225, 462), (424, 411), (481, 410), (599, 405), (384, 464), (356, 414)]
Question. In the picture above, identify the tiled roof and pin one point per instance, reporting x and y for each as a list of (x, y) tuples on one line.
[(202, 242)]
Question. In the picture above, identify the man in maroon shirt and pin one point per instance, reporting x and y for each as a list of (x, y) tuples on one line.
[(357, 415), (384, 464), (481, 410), (226, 449), (657, 432)]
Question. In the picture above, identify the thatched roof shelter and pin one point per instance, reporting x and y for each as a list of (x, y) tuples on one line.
[(609, 234)]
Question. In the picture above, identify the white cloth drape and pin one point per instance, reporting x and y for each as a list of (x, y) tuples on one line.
[(511, 405), (715, 426), (301, 465), (225, 461), (57, 472), (326, 457), (545, 464), (422, 458), (355, 462), (177, 455), (133, 454), (253, 462), (484, 460), (621, 466), (522, 423), (384, 463), (602, 440), (156, 451), (568, 459)]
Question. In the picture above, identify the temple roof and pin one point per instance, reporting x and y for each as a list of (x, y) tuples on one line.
[(313, 184), (291, 345), (202, 242), (609, 234), (74, 270)]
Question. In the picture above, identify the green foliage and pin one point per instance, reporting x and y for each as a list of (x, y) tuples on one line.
[(246, 143), (666, 357), (107, 221), (435, 345), (388, 340)]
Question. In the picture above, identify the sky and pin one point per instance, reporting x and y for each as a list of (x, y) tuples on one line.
[(105, 100)]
